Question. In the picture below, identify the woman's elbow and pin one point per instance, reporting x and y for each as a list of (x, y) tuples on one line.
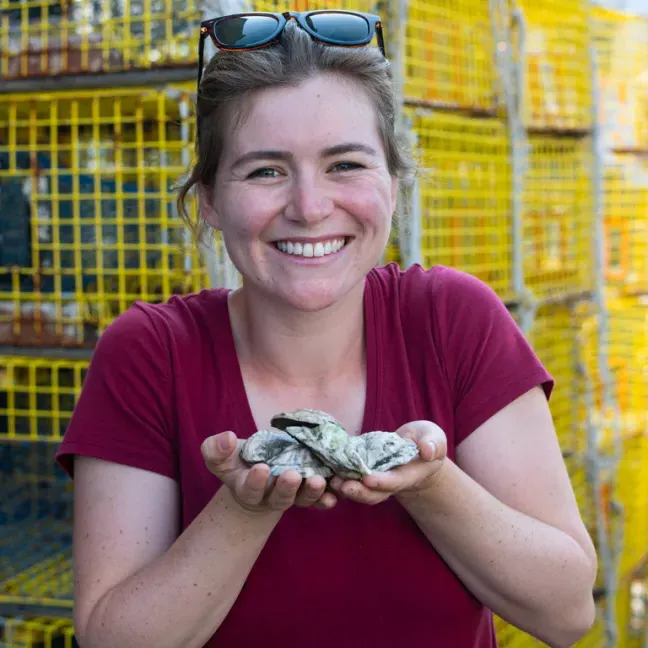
[(581, 615), (575, 617), (575, 624)]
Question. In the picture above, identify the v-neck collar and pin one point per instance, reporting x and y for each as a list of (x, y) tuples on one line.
[(236, 386)]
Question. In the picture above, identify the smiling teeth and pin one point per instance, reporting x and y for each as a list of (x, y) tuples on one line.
[(320, 249)]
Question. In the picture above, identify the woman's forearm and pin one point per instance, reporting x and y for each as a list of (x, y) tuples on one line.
[(180, 599), (529, 573)]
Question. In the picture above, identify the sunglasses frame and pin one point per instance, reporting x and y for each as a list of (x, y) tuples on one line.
[(207, 29)]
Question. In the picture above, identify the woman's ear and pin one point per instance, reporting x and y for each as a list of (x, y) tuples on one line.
[(206, 206)]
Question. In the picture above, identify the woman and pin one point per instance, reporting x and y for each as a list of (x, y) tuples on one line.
[(178, 542)]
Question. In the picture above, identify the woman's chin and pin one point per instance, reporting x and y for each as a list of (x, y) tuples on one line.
[(310, 303), (315, 297)]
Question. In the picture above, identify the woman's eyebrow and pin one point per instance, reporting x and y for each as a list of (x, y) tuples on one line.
[(337, 149), (261, 155), (349, 147)]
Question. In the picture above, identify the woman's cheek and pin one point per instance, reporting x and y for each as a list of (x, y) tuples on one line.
[(368, 198), (249, 213)]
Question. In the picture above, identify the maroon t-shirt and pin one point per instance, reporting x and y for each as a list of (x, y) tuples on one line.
[(440, 345)]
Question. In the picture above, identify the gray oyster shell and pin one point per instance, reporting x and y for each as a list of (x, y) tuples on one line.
[(315, 443), (282, 452)]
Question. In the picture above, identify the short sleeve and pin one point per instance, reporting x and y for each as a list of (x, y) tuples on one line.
[(124, 411), (487, 359)]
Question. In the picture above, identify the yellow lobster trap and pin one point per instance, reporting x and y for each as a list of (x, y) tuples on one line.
[(621, 44), (626, 222), (632, 610), (555, 337), (620, 390), (48, 37), (625, 340), (464, 181), (37, 396), (628, 351), (558, 217), (556, 65), (39, 632), (36, 530), (450, 54), (633, 496), (368, 6), (87, 193)]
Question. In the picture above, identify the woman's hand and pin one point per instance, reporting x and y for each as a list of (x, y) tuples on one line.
[(410, 478), (253, 487)]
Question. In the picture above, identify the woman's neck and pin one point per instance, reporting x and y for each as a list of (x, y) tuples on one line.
[(298, 349)]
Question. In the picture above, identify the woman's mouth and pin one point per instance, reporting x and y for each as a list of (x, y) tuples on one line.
[(311, 249)]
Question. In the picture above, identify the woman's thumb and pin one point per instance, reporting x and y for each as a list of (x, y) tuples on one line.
[(219, 447)]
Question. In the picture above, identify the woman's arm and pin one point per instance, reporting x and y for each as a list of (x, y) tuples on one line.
[(135, 583), (504, 517), (506, 521)]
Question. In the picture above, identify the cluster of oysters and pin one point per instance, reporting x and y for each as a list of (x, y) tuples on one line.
[(314, 443)]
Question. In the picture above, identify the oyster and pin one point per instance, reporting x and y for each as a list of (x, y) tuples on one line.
[(315, 443), (281, 452), (303, 417), (385, 450)]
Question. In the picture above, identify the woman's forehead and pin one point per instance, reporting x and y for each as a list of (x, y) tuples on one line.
[(319, 113)]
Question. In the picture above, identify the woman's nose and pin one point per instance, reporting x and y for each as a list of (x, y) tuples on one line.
[(310, 202)]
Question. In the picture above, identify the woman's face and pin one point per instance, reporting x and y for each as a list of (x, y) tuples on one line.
[(303, 195)]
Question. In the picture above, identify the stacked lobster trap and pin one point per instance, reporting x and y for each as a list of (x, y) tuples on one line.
[(529, 122), (95, 133), (507, 191)]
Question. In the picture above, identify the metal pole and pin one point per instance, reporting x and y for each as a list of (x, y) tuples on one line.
[(407, 208), (411, 241), (644, 596), (513, 83), (610, 415)]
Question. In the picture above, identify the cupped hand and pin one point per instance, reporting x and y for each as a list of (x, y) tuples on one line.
[(253, 487), (413, 477)]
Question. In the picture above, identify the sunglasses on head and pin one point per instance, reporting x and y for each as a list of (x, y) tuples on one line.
[(247, 31)]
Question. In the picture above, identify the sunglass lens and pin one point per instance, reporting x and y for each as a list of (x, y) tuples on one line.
[(245, 31), (340, 27)]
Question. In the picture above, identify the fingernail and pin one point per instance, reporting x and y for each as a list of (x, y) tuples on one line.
[(434, 447), (223, 442)]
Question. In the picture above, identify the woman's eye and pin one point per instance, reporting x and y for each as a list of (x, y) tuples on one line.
[(264, 173), (346, 166)]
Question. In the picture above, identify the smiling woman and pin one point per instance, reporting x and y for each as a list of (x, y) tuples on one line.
[(304, 190), (180, 543)]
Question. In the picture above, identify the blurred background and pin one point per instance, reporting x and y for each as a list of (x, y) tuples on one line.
[(529, 119)]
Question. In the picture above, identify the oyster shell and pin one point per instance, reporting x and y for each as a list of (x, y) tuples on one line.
[(315, 443), (385, 450), (281, 452), (303, 417)]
